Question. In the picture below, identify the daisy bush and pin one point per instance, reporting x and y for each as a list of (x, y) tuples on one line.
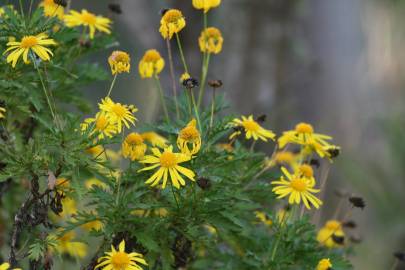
[(85, 187)]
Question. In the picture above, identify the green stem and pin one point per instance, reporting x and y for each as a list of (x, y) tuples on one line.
[(183, 59), (45, 91), (112, 85), (212, 108), (169, 52), (203, 79), (162, 99), (21, 8), (197, 115), (174, 195), (189, 101)]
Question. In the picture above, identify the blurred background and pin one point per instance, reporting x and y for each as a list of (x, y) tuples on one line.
[(337, 64)]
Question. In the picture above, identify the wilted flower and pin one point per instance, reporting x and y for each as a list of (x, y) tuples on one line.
[(52, 9), (206, 5), (134, 147), (326, 233), (155, 139), (189, 139), (88, 19), (151, 64), (171, 23), (211, 40), (119, 62)]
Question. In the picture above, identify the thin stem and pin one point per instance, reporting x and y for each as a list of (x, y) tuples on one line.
[(169, 51), (45, 91), (252, 146), (162, 99), (30, 8), (112, 85), (183, 59), (174, 195), (203, 79), (189, 101), (21, 7), (197, 115), (212, 108), (394, 265)]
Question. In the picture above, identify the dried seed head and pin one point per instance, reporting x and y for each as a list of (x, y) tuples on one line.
[(334, 151), (400, 255), (315, 162), (357, 202), (261, 118), (350, 224), (340, 240), (215, 83), (62, 3), (116, 8), (204, 183), (190, 83)]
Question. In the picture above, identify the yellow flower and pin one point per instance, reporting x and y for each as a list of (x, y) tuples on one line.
[(101, 124), (87, 19), (119, 62), (69, 208), (119, 114), (305, 171), (324, 264), (184, 77), (171, 23), (133, 147), (2, 112), (95, 225), (95, 150), (29, 44), (6, 266), (264, 218), (189, 139), (151, 64), (10, 7), (155, 139), (120, 260), (168, 163), (326, 233), (252, 129), (73, 248), (211, 40), (89, 183), (297, 188), (206, 5), (304, 134), (51, 9)]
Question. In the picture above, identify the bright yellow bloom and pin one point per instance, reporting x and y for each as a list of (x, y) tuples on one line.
[(252, 129), (29, 44), (281, 158), (155, 139), (304, 134), (171, 23), (134, 147), (189, 139), (326, 233), (89, 183), (211, 40), (118, 113), (305, 171), (297, 188), (69, 208), (6, 266), (51, 9), (264, 218), (120, 260), (151, 64), (324, 264), (119, 62), (101, 124), (95, 150), (206, 5), (90, 20), (2, 112), (73, 248), (184, 77), (95, 225), (168, 163)]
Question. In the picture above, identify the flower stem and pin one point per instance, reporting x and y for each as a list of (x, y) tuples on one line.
[(197, 115), (162, 99), (21, 7), (112, 85), (395, 264), (212, 108), (169, 52), (174, 195), (183, 59), (203, 79)]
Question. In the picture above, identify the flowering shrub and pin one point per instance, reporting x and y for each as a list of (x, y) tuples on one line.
[(188, 192)]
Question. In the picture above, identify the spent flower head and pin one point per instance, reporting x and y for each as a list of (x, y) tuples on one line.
[(119, 62), (151, 64), (211, 40), (172, 22)]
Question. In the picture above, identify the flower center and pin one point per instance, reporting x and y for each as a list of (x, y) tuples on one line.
[(189, 133), (304, 128), (120, 260), (306, 170), (89, 18), (134, 139), (333, 225), (101, 123), (212, 33), (29, 41), (284, 157), (120, 57), (298, 184), (118, 110), (151, 56), (168, 160), (172, 16), (251, 125)]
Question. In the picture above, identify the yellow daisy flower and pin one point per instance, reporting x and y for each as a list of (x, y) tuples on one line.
[(281, 158), (305, 171), (324, 264), (6, 266), (95, 225), (297, 188), (252, 129), (168, 163), (326, 233), (211, 40), (189, 139), (119, 62), (155, 139), (65, 245), (51, 9), (151, 64), (264, 218), (171, 23), (2, 112), (184, 77), (89, 183), (101, 124), (118, 113), (206, 5), (90, 20), (134, 147), (34, 44), (120, 260)]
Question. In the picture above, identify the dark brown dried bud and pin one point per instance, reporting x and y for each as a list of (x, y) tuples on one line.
[(116, 8), (341, 193), (357, 202), (163, 11), (315, 162), (85, 43), (190, 83), (340, 240), (334, 151), (261, 118), (355, 239), (62, 3), (238, 129), (215, 83), (350, 224), (204, 183), (400, 255)]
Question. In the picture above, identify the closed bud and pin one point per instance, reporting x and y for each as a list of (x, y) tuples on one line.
[(116, 8), (215, 83), (357, 202), (204, 183)]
